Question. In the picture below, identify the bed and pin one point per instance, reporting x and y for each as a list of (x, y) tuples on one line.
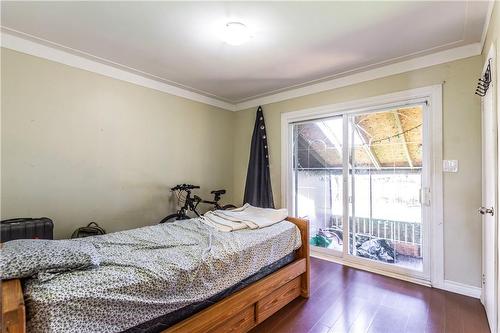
[(263, 281)]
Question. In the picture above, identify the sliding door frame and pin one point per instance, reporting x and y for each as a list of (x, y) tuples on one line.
[(432, 95)]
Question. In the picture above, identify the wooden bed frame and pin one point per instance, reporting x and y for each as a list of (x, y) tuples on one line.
[(238, 312)]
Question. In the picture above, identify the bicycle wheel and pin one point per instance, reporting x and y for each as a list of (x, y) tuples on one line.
[(226, 207), (170, 218)]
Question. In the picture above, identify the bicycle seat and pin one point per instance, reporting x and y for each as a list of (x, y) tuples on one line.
[(218, 192)]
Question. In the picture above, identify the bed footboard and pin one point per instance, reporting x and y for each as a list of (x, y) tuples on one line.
[(250, 306), (303, 252), (239, 312), (13, 312)]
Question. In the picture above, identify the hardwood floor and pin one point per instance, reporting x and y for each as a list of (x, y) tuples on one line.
[(345, 299)]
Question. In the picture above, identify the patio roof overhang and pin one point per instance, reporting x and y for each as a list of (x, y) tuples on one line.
[(387, 140)]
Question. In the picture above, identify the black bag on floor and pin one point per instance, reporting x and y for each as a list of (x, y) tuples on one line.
[(92, 229), (26, 228)]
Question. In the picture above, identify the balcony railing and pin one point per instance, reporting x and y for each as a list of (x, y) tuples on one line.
[(396, 231), (383, 240)]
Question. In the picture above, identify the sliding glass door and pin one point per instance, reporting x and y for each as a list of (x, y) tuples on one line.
[(385, 178), (318, 179), (360, 178)]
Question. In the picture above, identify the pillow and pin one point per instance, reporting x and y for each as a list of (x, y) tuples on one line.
[(29, 257)]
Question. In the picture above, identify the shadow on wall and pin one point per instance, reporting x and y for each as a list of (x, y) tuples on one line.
[(130, 206), (143, 205)]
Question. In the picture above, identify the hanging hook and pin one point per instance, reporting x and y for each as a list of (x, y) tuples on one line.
[(484, 81)]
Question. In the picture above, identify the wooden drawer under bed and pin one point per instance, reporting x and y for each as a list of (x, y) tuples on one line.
[(262, 309), (271, 303), (242, 322)]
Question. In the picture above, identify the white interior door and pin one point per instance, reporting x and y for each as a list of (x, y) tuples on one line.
[(489, 209)]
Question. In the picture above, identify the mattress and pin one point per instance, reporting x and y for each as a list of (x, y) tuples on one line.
[(161, 323), (148, 273)]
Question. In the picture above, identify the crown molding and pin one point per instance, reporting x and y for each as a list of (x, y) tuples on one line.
[(372, 74), (56, 54)]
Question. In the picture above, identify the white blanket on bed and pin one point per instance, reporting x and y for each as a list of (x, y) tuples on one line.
[(244, 217)]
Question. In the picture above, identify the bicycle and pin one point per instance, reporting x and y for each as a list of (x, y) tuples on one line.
[(192, 202)]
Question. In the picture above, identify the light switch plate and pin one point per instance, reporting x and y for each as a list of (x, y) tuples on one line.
[(450, 165)]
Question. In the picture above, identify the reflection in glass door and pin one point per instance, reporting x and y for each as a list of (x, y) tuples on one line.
[(317, 172), (361, 174)]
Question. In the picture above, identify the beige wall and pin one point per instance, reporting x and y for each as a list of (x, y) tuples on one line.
[(462, 141), (78, 146)]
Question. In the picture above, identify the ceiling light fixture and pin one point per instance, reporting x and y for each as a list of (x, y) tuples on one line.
[(235, 33)]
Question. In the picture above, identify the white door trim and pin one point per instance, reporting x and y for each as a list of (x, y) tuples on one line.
[(496, 157), (496, 81), (433, 94)]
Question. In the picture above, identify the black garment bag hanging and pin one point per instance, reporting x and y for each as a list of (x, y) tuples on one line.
[(258, 191)]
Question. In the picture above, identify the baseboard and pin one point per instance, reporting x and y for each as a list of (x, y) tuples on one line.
[(460, 288)]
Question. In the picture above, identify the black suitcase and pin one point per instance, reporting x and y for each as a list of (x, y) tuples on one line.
[(26, 228)]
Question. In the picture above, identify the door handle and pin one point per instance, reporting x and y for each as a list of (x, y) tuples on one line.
[(484, 210)]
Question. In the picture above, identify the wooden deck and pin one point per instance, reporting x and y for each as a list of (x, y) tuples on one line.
[(345, 299)]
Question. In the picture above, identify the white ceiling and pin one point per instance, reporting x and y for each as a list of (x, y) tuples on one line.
[(294, 43)]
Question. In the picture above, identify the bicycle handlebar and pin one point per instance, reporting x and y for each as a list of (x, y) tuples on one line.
[(184, 187)]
